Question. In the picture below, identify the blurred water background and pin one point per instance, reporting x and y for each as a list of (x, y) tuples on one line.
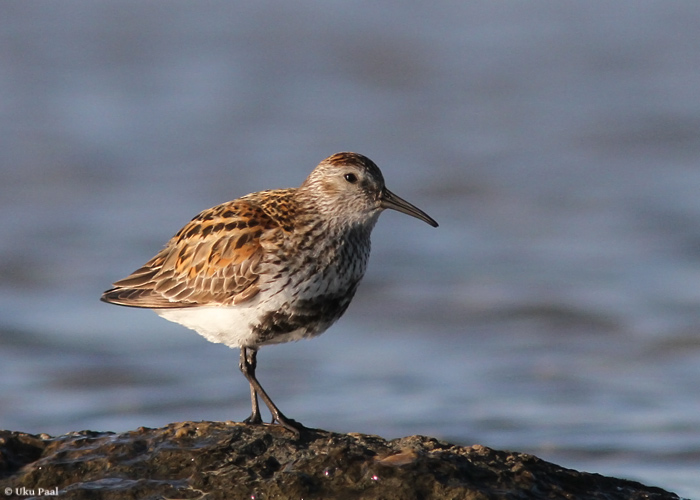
[(556, 310)]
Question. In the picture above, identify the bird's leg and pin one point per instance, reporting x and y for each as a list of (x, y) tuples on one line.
[(247, 365)]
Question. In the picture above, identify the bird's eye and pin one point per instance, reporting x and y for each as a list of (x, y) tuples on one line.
[(351, 178)]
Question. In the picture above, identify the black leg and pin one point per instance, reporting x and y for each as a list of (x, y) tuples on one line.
[(247, 365), (248, 362)]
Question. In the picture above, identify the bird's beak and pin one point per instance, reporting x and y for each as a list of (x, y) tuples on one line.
[(389, 200)]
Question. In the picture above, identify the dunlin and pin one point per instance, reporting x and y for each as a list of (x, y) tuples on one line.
[(270, 267)]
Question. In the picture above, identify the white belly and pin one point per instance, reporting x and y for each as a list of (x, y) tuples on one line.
[(229, 325), (234, 326)]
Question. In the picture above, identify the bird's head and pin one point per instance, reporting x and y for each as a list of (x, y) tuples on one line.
[(351, 187)]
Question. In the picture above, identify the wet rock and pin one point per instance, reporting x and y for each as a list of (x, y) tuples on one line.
[(218, 460)]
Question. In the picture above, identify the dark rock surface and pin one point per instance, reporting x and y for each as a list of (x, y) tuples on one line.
[(217, 460)]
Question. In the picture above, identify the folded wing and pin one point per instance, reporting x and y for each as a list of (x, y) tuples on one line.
[(214, 259)]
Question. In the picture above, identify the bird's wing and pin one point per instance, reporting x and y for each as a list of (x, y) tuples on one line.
[(214, 259)]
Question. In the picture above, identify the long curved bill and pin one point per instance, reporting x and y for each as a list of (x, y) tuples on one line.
[(390, 200)]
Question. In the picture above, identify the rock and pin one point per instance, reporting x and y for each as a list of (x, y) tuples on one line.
[(219, 460)]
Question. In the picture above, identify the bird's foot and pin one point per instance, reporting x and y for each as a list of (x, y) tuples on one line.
[(293, 426), (254, 419)]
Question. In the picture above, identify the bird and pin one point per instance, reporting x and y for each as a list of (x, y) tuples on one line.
[(270, 267)]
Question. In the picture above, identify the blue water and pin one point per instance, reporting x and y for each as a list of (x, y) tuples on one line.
[(556, 310)]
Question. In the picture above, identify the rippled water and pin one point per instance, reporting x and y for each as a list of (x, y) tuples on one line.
[(555, 310)]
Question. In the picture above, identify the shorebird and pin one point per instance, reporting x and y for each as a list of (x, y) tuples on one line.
[(271, 267)]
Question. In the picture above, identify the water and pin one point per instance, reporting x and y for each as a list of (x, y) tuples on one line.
[(555, 310)]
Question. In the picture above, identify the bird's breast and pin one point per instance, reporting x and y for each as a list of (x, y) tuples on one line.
[(316, 262), (304, 295)]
